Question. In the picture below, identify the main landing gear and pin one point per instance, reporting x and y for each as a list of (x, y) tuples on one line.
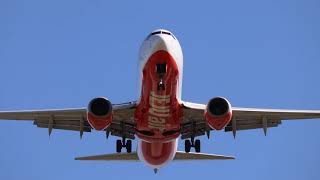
[(192, 143), (123, 143)]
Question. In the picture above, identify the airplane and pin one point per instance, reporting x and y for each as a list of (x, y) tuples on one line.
[(159, 117)]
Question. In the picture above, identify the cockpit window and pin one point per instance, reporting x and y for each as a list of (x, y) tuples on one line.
[(157, 32), (161, 32), (164, 32)]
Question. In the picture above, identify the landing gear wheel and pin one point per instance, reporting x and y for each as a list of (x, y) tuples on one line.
[(187, 145), (119, 146), (161, 86), (129, 146), (197, 145)]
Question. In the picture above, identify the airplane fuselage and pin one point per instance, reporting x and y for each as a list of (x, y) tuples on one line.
[(158, 115)]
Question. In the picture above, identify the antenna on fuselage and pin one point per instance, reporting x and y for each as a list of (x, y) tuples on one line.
[(155, 170)]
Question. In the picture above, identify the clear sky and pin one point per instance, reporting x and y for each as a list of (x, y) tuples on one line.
[(60, 54)]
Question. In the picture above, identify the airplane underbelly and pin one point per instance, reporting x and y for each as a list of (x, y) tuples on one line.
[(158, 114)]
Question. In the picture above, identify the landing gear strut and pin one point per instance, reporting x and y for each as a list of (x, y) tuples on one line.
[(161, 85), (123, 143), (161, 71), (192, 143)]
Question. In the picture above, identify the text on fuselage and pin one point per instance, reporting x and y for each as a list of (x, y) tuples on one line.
[(159, 111)]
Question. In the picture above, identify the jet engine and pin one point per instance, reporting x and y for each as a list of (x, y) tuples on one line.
[(99, 113), (218, 113)]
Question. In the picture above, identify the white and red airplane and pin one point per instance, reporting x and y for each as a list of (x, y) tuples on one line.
[(159, 117)]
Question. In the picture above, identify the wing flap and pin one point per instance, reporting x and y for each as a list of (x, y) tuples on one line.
[(64, 127)]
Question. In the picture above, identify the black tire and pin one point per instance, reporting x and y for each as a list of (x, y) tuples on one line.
[(119, 146), (129, 146), (197, 145), (187, 145)]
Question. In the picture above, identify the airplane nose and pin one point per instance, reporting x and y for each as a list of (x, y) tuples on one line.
[(160, 38), (160, 42)]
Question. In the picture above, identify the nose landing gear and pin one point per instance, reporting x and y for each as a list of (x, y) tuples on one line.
[(161, 70), (124, 144), (192, 143), (161, 85)]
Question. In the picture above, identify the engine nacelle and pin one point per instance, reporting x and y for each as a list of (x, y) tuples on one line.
[(218, 113), (99, 113)]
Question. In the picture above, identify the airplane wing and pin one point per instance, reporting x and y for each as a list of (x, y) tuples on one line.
[(76, 119), (134, 157), (243, 118)]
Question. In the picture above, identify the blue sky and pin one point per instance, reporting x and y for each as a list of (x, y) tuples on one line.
[(59, 54)]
